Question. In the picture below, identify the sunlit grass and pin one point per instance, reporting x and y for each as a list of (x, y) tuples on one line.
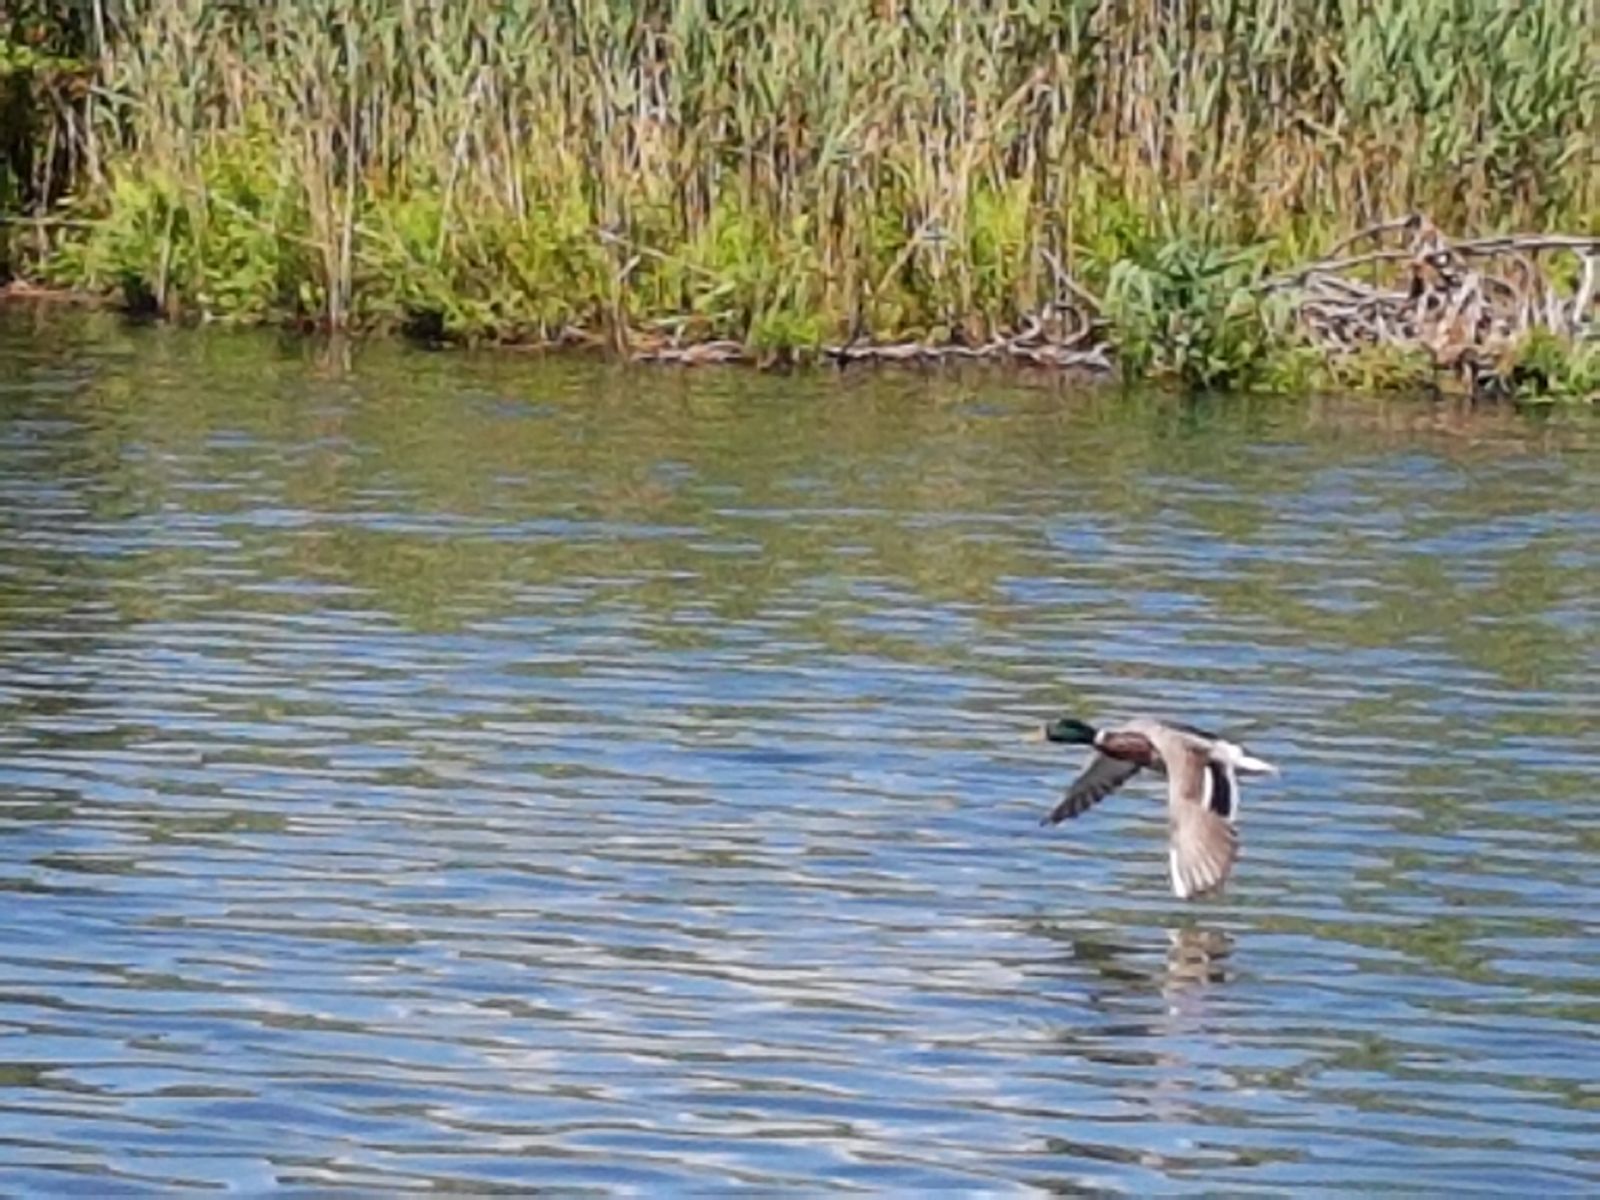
[(784, 172)]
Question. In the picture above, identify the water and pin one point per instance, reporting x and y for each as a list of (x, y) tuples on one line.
[(427, 771)]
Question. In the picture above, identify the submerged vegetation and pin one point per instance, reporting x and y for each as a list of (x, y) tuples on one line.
[(778, 175)]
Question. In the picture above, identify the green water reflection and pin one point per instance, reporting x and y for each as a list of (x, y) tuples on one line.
[(936, 486)]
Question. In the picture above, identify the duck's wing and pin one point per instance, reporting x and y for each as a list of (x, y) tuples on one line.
[(1203, 734), (1101, 776), (1201, 798), (1201, 850)]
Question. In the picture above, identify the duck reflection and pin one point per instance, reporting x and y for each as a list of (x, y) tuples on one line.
[(1136, 1008), (1197, 957), (1137, 1038)]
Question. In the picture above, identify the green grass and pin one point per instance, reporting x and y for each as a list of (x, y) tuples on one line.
[(782, 173)]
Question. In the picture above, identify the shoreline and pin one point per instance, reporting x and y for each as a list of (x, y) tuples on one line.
[(1415, 311), (1082, 355)]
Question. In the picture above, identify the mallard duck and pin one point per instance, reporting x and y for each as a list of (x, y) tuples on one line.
[(1202, 773)]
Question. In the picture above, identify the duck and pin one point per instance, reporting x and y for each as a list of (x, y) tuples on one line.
[(1202, 772)]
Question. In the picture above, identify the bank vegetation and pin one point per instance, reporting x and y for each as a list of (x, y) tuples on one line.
[(1157, 186)]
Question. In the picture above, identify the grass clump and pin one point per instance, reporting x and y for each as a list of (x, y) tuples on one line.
[(1554, 368), (1191, 310)]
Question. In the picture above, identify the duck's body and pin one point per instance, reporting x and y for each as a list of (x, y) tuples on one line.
[(1202, 773)]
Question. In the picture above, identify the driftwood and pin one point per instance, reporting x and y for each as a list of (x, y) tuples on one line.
[(1467, 304), (1067, 334), (1023, 349), (1042, 342)]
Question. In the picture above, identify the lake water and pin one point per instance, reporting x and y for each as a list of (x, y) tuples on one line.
[(476, 772)]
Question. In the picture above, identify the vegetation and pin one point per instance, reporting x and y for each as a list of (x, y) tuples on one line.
[(776, 172)]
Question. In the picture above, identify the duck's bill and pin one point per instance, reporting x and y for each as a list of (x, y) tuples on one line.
[(1036, 734)]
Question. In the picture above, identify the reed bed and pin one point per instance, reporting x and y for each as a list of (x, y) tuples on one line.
[(782, 175)]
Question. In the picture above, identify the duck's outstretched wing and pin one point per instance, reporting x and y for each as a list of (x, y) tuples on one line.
[(1102, 776), (1202, 844), (1201, 850)]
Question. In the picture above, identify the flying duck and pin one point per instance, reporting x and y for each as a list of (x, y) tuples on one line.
[(1202, 772)]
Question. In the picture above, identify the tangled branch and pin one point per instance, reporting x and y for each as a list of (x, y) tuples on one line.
[(1467, 304)]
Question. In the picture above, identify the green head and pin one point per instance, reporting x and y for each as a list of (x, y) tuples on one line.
[(1070, 730)]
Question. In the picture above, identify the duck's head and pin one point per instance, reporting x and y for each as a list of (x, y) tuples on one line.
[(1066, 729)]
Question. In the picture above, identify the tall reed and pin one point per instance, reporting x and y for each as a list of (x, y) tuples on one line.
[(784, 170)]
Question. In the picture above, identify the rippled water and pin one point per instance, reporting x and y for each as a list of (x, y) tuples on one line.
[(436, 771)]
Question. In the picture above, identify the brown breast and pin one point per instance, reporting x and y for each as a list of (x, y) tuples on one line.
[(1130, 747)]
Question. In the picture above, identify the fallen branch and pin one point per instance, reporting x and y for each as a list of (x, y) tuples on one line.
[(1466, 304)]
